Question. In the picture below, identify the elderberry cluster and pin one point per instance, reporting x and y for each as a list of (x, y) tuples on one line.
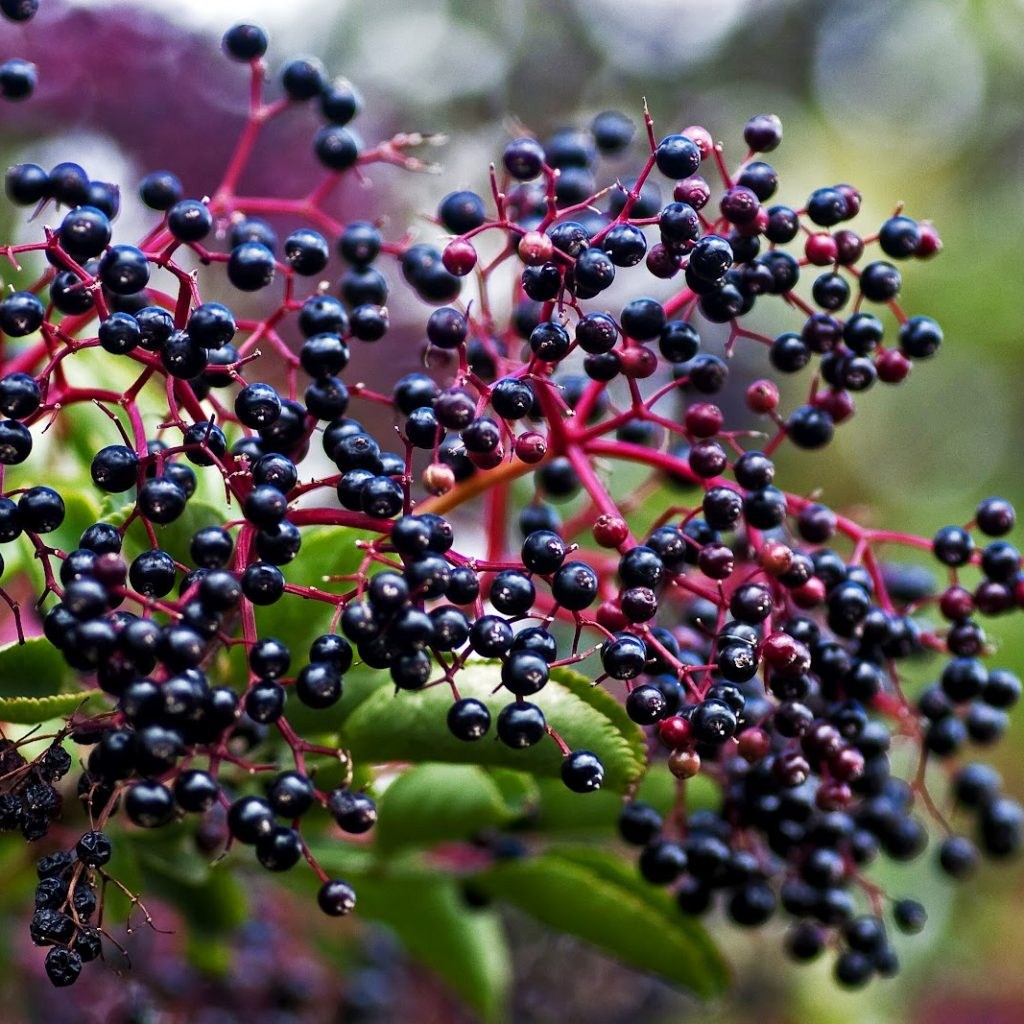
[(29, 799), (65, 901), (756, 634)]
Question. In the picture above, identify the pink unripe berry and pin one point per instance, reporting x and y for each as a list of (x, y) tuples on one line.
[(847, 765), (661, 262), (892, 366), (684, 764), (763, 396), (638, 362), (701, 138), (535, 248), (704, 419), (487, 460), (785, 655), (459, 257), (693, 190), (956, 603), (610, 615), (438, 479), (821, 249), (674, 732), (833, 796), (837, 403), (809, 595), (531, 447), (610, 531), (775, 557), (929, 243), (852, 196), (753, 745)]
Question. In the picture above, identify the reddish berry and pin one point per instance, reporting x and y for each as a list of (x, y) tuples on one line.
[(702, 138), (610, 531), (675, 732), (703, 419), (762, 396), (753, 745), (821, 249), (684, 764), (956, 603), (638, 361), (775, 557), (459, 257), (929, 243), (535, 248), (810, 594), (438, 479), (531, 447), (892, 366)]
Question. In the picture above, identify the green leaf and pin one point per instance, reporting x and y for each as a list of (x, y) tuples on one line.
[(210, 897), (599, 898), (34, 669), (463, 946), (431, 803), (33, 710), (559, 812), (295, 620), (379, 725)]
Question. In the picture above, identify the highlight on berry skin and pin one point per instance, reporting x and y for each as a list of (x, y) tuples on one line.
[(283, 610)]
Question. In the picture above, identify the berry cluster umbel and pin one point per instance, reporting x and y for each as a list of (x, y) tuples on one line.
[(755, 633)]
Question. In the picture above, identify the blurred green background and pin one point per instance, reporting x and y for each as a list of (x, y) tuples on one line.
[(917, 102)]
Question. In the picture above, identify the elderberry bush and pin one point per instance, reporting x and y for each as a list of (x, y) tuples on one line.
[(285, 611)]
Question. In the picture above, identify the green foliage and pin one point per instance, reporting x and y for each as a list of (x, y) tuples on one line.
[(411, 726), (594, 895), (427, 911)]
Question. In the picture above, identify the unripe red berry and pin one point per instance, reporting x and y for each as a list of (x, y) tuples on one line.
[(849, 247), (701, 138), (892, 366), (929, 243), (662, 262), (809, 595), (693, 190), (459, 257), (956, 603), (785, 655), (762, 396), (535, 248), (847, 765), (753, 745), (821, 249), (638, 361), (837, 403), (610, 531), (833, 796), (684, 764), (438, 479), (775, 557), (853, 198), (488, 460), (704, 419), (531, 447), (610, 615), (675, 732)]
